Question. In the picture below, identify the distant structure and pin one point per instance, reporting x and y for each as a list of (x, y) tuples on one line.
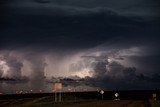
[(58, 91)]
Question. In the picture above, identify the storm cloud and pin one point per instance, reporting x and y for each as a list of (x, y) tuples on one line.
[(109, 44), (62, 25), (12, 66)]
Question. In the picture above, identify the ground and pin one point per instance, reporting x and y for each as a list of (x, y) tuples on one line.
[(49, 102)]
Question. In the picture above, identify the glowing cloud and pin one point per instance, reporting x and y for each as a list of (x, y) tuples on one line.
[(4, 68), (83, 73)]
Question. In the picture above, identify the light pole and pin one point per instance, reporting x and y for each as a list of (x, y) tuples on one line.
[(75, 98)]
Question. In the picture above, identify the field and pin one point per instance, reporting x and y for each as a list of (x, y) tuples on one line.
[(49, 102), (85, 99)]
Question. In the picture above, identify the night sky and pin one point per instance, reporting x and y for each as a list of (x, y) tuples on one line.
[(104, 44)]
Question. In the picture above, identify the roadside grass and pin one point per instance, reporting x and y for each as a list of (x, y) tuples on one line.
[(155, 103), (71, 102)]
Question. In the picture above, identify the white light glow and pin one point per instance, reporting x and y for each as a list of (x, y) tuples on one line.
[(109, 60), (4, 68), (84, 73)]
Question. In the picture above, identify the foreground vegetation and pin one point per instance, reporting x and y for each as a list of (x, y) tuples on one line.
[(69, 102)]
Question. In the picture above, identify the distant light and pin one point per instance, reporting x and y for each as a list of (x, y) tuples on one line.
[(116, 95), (102, 92), (21, 92), (109, 60)]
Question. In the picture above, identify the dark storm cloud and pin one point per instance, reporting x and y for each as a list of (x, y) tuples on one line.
[(124, 5), (128, 81), (13, 74), (117, 75), (64, 27), (143, 8), (42, 1), (150, 63), (28, 23)]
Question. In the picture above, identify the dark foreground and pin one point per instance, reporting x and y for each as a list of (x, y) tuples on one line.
[(82, 99), (48, 102)]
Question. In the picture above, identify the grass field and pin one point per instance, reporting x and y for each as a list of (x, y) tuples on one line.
[(49, 102), (81, 99)]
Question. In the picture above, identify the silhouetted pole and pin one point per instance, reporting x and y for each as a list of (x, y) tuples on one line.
[(60, 98), (75, 95), (55, 97), (75, 98)]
